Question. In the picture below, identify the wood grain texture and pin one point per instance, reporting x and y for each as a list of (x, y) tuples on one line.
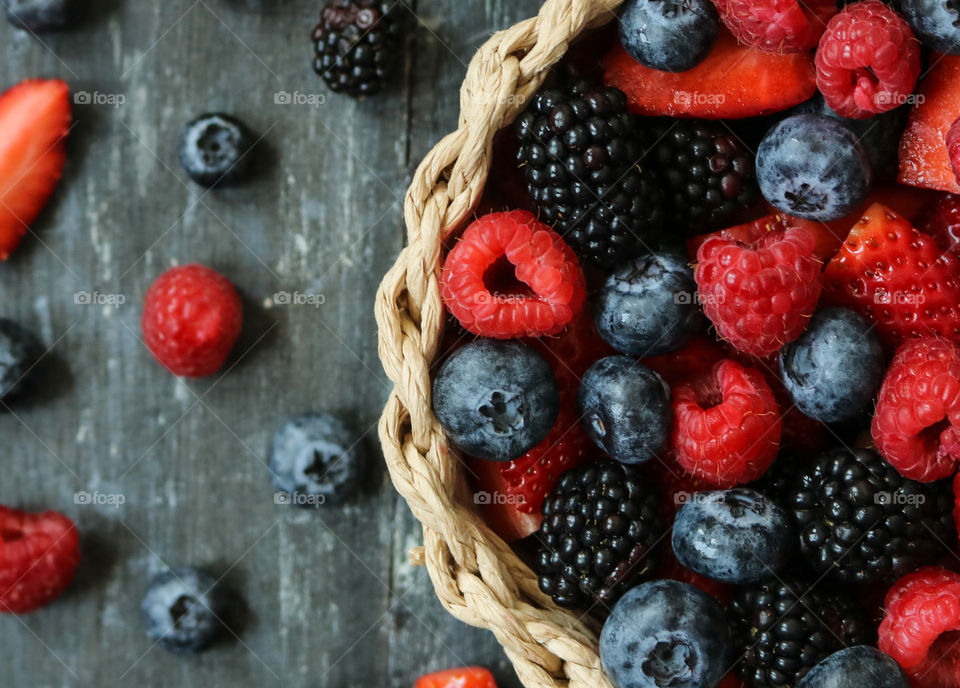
[(330, 599)]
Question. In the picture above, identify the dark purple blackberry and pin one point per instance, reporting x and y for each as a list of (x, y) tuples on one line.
[(860, 521), (356, 44), (706, 172), (782, 629), (599, 532), (581, 157)]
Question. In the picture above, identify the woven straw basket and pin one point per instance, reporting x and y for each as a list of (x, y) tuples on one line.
[(477, 577)]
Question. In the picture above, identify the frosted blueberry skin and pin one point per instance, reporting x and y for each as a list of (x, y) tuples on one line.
[(665, 633), (496, 399), (813, 167), (625, 409), (183, 610), (669, 35), (935, 22), (734, 536), (856, 667), (648, 306), (835, 368)]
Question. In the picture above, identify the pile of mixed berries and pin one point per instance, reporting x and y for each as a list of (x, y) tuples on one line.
[(703, 365)]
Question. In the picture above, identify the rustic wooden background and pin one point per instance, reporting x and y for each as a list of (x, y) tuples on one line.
[(330, 597)]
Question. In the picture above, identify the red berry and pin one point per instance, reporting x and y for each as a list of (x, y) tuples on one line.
[(693, 361), (827, 239), (924, 160), (511, 276), (727, 430), (952, 140), (759, 295), (919, 629), (734, 81), (896, 277), (467, 677), (39, 554), (778, 26), (943, 223), (191, 319), (868, 60), (916, 425)]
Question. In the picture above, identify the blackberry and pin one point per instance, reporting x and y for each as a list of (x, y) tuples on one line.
[(782, 629), (707, 173), (860, 521), (356, 43), (600, 527), (580, 153)]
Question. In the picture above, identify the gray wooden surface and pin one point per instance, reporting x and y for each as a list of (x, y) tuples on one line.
[(330, 597)]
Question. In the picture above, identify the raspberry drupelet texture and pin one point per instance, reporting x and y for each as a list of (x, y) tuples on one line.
[(760, 295), (191, 319), (778, 26), (916, 426), (727, 427), (511, 276), (868, 61)]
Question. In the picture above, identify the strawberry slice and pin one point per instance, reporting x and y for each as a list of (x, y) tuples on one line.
[(734, 81), (39, 554), (34, 120), (897, 277), (467, 677), (924, 159)]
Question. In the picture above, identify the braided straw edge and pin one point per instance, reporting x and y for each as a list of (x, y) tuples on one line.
[(476, 575)]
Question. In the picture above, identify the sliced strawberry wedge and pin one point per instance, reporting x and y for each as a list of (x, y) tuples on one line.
[(34, 121), (924, 159), (734, 81)]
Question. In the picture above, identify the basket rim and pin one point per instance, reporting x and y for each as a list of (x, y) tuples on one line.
[(476, 575)]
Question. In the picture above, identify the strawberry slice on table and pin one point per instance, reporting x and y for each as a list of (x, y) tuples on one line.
[(897, 277), (34, 120), (733, 81), (39, 554), (466, 677), (924, 158)]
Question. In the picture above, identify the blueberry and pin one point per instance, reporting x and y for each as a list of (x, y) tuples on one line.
[(734, 536), (315, 459), (184, 609), (625, 408), (496, 399), (856, 667), (813, 167), (19, 352), (834, 369), (648, 307), (215, 149), (665, 633), (38, 16), (670, 35), (935, 22)]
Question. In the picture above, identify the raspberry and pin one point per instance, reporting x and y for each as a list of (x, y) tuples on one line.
[(868, 61), (727, 429), (953, 146), (467, 677), (777, 26), (39, 554), (511, 276), (760, 295), (916, 426), (191, 319), (943, 223), (920, 628)]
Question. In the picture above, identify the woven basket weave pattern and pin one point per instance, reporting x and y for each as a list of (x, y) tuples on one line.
[(477, 577)]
